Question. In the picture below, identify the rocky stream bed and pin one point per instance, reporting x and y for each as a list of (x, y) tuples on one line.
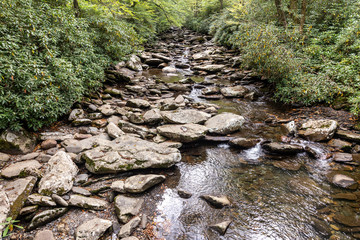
[(183, 144)]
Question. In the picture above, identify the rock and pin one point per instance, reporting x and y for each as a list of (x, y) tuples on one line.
[(210, 90), (342, 157), (46, 217), (153, 116), (112, 92), (282, 148), (210, 68), (21, 169), (186, 116), (216, 201), (162, 57), (179, 87), (221, 227), (129, 227), (124, 74), (318, 130), (244, 142), (76, 146), (138, 103), (81, 178), (168, 104), (57, 136), (49, 143), (59, 200), (118, 186), (92, 229), (28, 210), (202, 55), (76, 114), (94, 116), (127, 153), (237, 91), (130, 238), (4, 207), (4, 157), (287, 165), (17, 142), (153, 62), (184, 194), (347, 219), (225, 123), (140, 183), (81, 191), (87, 202), (290, 128), (114, 131), (107, 110), (127, 207), (305, 186), (59, 176), (339, 144), (183, 133), (29, 156), (321, 227), (135, 118), (44, 235), (347, 135), (37, 199), (344, 181), (127, 127), (81, 122), (345, 196), (134, 63), (169, 70)]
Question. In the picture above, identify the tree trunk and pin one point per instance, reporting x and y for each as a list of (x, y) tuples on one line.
[(294, 10), (76, 8), (221, 4), (281, 14), (303, 15)]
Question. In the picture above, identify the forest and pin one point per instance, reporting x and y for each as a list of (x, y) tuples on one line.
[(53, 52)]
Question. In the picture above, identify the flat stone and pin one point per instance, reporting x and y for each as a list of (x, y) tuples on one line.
[(44, 235), (342, 157), (225, 123), (28, 210), (153, 116), (29, 156), (186, 116), (127, 207), (46, 217), (318, 130), (340, 144), (87, 202), (59, 200), (20, 142), (57, 136), (287, 165), (282, 148), (92, 229), (162, 57), (135, 118), (236, 91), (210, 68), (183, 133), (49, 143), (81, 122), (128, 153), (347, 219), (244, 142), (114, 131), (81, 191), (20, 169), (221, 227), (344, 181), (37, 199), (347, 135), (135, 129), (138, 103), (129, 227), (4, 157), (59, 176), (81, 178), (210, 90), (217, 201), (345, 196), (107, 110), (118, 186), (140, 183), (77, 146)]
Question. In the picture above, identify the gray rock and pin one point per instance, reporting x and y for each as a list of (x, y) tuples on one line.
[(127, 153), (95, 115), (340, 144), (124, 74), (210, 68), (153, 116), (221, 227), (4, 206), (344, 181), (162, 57), (216, 201), (134, 63), (186, 116), (210, 90), (236, 91), (37, 199), (21, 169), (136, 129), (140, 183), (138, 103), (81, 178), (202, 55), (81, 122), (118, 186), (130, 238), (127, 207), (225, 123), (244, 142), (77, 113), (347, 135), (29, 156), (168, 104), (169, 70), (135, 118), (283, 148), (171, 144), (114, 131), (46, 217), (107, 110), (81, 191), (92, 229), (129, 227), (49, 143), (4, 157), (318, 130), (57, 136), (28, 210), (184, 194), (183, 133), (87, 202), (77, 146), (342, 157), (290, 128), (59, 200), (44, 235), (17, 142), (59, 176)]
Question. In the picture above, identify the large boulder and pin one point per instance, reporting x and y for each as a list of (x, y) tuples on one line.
[(92, 229), (237, 91), (59, 177), (183, 133), (17, 142), (318, 130), (127, 207), (128, 153), (186, 116), (134, 63), (225, 123), (140, 183)]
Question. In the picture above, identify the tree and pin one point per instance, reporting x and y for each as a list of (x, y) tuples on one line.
[(280, 12)]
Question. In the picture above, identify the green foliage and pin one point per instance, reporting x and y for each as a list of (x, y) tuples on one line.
[(9, 226)]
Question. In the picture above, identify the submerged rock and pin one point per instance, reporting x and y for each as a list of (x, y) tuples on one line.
[(318, 130), (183, 133), (140, 183), (92, 229), (225, 123), (127, 207)]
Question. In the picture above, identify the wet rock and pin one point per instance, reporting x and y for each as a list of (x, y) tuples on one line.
[(318, 130), (169, 70), (210, 90), (129, 227), (305, 186), (46, 217), (92, 229), (342, 157), (212, 68), (59, 176), (127, 153), (216, 201), (290, 128), (282, 148), (21, 169), (349, 219), (184, 194), (225, 123), (347, 135), (37, 199), (287, 165), (186, 116), (87, 202), (345, 196), (183, 133), (127, 207), (321, 227), (44, 235), (237, 91), (134, 63), (59, 200), (47, 144), (81, 191), (339, 144), (140, 183), (76, 114), (153, 116), (344, 181), (114, 131), (20, 142), (138, 103), (118, 186), (221, 227), (244, 142)]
